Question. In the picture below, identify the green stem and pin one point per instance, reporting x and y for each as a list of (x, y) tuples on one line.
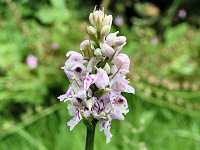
[(90, 135)]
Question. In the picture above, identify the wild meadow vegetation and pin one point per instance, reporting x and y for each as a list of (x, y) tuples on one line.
[(164, 47)]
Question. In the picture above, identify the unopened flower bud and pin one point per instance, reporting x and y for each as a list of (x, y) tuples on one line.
[(91, 30), (85, 45), (107, 50), (107, 20), (105, 30), (111, 37), (98, 17), (107, 68), (91, 19), (97, 52), (120, 40)]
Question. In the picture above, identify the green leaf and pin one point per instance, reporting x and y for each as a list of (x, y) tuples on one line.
[(174, 34)]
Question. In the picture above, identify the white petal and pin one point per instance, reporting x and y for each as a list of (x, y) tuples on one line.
[(129, 89), (105, 125), (69, 94), (117, 113), (75, 120), (62, 97)]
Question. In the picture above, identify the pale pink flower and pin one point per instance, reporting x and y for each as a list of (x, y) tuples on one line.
[(111, 37), (119, 41), (119, 21), (32, 61), (69, 94), (107, 50), (120, 105), (115, 41), (74, 56), (182, 13), (122, 62), (74, 69), (120, 84), (89, 80), (85, 44), (102, 79), (105, 125), (55, 46), (75, 120)]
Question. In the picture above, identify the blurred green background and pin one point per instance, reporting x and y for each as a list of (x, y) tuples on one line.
[(163, 43)]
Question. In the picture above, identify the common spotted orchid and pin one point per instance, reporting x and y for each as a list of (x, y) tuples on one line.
[(97, 76)]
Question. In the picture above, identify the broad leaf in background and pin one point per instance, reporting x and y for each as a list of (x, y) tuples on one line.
[(57, 13)]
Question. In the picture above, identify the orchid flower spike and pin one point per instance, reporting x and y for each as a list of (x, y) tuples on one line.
[(97, 76)]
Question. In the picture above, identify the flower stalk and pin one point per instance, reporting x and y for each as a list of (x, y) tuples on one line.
[(90, 135)]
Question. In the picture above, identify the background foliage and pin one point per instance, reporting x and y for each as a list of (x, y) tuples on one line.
[(163, 43)]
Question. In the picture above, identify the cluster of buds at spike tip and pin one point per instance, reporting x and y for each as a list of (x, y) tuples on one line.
[(100, 24), (97, 76)]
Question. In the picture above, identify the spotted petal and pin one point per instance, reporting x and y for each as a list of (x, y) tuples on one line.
[(89, 80), (105, 125), (69, 94), (75, 120)]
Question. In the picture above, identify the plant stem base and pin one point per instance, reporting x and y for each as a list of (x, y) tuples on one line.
[(90, 134)]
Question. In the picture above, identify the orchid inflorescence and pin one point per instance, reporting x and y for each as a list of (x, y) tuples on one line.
[(97, 76)]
